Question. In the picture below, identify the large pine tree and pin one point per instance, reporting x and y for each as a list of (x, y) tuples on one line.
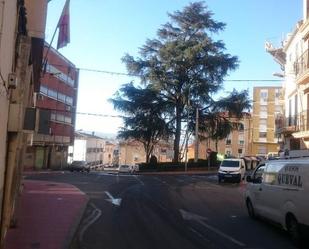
[(184, 63)]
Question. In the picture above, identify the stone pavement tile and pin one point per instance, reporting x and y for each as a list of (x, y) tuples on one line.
[(48, 214)]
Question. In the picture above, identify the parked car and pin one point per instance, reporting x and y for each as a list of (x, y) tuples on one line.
[(232, 169), (79, 166), (124, 168), (273, 156), (279, 191)]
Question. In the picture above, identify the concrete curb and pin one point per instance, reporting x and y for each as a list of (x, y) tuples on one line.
[(74, 228)]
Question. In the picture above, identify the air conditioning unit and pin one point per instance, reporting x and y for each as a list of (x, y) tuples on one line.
[(68, 108), (12, 81)]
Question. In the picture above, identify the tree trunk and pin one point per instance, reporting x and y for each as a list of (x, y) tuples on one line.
[(177, 134), (147, 157), (216, 145)]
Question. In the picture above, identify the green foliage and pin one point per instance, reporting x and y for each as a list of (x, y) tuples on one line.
[(185, 65), (143, 121), (179, 166)]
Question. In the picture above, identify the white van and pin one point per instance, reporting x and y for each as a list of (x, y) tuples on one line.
[(279, 191), (232, 169)]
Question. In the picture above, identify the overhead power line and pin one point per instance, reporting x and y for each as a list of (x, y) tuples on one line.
[(137, 75)]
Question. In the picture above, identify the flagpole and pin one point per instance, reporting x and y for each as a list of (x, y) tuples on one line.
[(48, 49), (64, 15)]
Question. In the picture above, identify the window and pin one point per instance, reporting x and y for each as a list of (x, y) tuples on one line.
[(229, 139), (230, 163), (241, 139), (271, 172), (262, 134), (69, 100), (263, 96), (240, 151), (60, 117), (53, 116), (43, 90), (52, 94), (258, 174), (61, 97), (241, 127), (68, 120)]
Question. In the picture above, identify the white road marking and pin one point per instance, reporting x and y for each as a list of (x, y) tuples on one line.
[(191, 216), (96, 213), (199, 234), (114, 201), (201, 220), (139, 180)]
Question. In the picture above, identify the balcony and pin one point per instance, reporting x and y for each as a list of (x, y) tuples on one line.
[(292, 124), (301, 68)]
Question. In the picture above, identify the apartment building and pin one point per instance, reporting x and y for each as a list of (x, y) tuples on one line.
[(109, 152), (55, 102), (87, 147), (293, 126), (267, 104), (237, 144), (131, 152)]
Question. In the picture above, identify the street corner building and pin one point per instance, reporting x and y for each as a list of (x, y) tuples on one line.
[(22, 33), (55, 100), (292, 123)]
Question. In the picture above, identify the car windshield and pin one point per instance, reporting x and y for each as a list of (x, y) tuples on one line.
[(230, 163), (77, 163)]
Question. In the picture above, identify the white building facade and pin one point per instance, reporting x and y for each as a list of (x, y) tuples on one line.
[(293, 125), (87, 147)]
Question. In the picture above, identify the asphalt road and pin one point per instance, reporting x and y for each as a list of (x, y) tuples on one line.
[(167, 211)]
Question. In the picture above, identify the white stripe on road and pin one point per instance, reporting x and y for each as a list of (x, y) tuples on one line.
[(186, 215), (96, 213), (139, 180), (222, 234)]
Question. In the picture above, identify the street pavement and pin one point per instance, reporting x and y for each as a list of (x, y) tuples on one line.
[(166, 211)]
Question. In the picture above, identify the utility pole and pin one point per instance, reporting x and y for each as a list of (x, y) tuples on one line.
[(196, 136)]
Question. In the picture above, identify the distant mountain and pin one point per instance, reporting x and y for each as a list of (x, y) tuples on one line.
[(109, 136)]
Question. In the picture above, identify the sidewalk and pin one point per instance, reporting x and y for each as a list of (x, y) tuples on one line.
[(48, 214)]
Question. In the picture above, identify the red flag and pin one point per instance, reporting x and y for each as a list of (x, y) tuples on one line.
[(64, 26)]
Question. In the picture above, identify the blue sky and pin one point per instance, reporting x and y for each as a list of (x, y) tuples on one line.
[(102, 31)]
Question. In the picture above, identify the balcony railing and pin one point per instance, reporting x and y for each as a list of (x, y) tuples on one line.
[(293, 123), (301, 65)]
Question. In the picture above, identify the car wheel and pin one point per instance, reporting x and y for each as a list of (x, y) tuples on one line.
[(250, 209), (293, 229)]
